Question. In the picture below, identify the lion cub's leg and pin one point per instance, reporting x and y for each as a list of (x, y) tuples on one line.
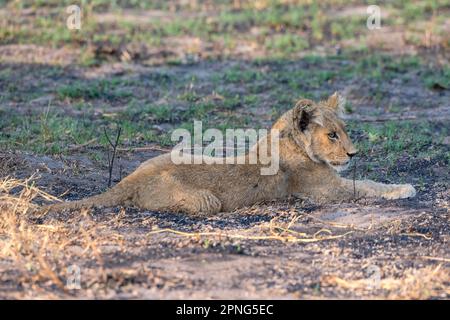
[(368, 188), (202, 202)]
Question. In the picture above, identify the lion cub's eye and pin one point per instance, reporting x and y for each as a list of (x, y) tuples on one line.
[(333, 135)]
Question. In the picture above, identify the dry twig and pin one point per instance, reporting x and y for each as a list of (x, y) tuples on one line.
[(114, 151)]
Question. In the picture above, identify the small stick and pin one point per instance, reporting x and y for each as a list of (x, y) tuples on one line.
[(417, 234), (114, 146), (374, 119), (436, 258), (354, 179), (120, 169)]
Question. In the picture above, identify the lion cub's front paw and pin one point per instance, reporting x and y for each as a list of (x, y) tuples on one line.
[(400, 191)]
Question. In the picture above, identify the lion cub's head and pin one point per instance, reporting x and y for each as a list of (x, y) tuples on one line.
[(318, 129)]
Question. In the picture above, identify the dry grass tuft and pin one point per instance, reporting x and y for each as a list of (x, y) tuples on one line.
[(38, 254), (423, 283)]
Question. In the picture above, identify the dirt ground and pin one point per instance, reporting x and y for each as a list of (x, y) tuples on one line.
[(51, 144)]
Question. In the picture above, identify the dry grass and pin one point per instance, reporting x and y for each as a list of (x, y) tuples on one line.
[(38, 254), (422, 283)]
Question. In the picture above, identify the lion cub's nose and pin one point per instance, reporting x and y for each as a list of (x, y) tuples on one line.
[(351, 154)]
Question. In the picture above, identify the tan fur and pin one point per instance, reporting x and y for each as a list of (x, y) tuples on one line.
[(309, 159)]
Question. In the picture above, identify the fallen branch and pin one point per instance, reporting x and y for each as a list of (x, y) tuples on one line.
[(383, 119), (286, 234), (247, 237), (145, 148), (77, 147)]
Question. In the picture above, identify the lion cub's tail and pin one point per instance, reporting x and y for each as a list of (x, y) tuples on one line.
[(116, 196)]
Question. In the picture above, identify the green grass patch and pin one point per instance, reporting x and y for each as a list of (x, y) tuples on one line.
[(98, 89)]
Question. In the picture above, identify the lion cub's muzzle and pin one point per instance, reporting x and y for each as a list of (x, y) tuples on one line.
[(343, 164), (340, 165)]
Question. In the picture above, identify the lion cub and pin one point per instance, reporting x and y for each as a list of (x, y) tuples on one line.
[(313, 147)]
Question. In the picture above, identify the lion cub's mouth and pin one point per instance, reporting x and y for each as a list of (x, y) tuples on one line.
[(339, 166)]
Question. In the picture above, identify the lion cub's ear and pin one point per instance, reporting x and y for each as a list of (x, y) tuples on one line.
[(337, 103), (305, 112)]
